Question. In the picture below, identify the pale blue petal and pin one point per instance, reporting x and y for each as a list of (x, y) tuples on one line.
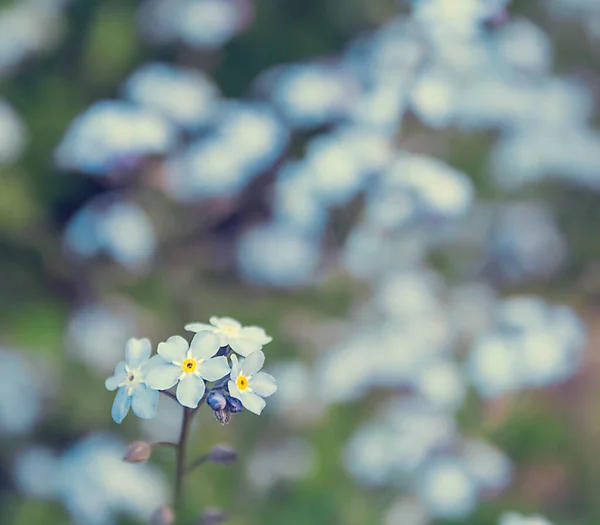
[(137, 351), (198, 327), (255, 334), (161, 377), (235, 367), (155, 360), (263, 384), (243, 347), (234, 391), (121, 405), (253, 363), (144, 401), (113, 382), (174, 350), (252, 402), (190, 390), (204, 345), (214, 368)]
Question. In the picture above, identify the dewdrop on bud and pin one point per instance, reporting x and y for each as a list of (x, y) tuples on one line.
[(212, 517), (138, 452), (163, 516), (222, 454)]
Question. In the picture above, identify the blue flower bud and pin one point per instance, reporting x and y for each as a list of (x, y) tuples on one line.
[(234, 405), (216, 400)]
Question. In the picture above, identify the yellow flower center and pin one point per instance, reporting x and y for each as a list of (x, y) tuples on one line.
[(242, 383), (189, 365)]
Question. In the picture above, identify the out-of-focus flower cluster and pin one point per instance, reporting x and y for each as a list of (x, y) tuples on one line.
[(325, 137)]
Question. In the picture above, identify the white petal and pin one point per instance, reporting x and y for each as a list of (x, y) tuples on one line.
[(144, 401), (263, 384), (225, 321), (155, 360), (174, 350), (163, 376), (253, 363), (252, 402), (204, 345), (234, 391), (243, 347), (121, 405), (255, 334), (113, 382), (190, 390), (199, 327), (137, 351), (235, 367), (214, 368)]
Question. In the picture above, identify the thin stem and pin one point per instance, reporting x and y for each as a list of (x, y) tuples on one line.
[(196, 463), (164, 444), (181, 449)]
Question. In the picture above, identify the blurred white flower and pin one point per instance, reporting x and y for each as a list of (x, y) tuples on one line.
[(118, 228), (21, 392), (36, 472), (447, 489), (111, 135), (97, 486), (12, 133), (287, 461), (512, 518), (277, 255), (488, 465), (97, 334), (187, 97)]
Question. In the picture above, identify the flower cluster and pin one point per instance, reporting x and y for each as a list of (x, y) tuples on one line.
[(186, 367)]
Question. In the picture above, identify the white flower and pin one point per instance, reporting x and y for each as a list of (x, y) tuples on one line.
[(248, 385), (512, 518), (242, 339), (130, 379), (188, 365)]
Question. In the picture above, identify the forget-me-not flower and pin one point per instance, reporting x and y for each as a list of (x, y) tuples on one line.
[(189, 365), (242, 339), (130, 380), (248, 384)]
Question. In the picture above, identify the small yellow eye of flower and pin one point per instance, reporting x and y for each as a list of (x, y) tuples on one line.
[(242, 383), (189, 365)]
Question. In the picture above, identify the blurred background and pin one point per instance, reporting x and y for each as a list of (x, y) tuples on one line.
[(405, 195)]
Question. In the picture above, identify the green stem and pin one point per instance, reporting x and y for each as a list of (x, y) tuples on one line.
[(181, 449), (196, 463)]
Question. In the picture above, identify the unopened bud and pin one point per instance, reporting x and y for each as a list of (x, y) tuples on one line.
[(213, 517), (223, 416), (138, 452), (216, 401), (163, 516), (222, 454), (234, 404)]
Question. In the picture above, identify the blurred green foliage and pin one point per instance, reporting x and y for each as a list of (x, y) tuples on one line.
[(100, 48)]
